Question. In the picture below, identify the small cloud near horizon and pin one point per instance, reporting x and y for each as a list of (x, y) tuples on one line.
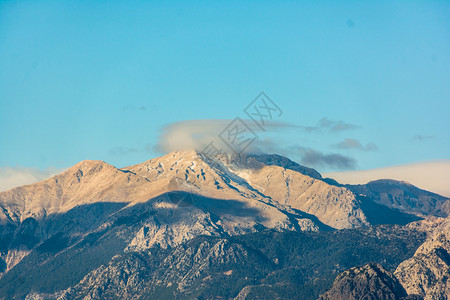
[(11, 177), (349, 144)]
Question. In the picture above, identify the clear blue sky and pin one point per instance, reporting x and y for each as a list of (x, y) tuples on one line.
[(99, 79)]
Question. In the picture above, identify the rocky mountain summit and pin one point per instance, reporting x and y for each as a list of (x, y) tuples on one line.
[(183, 224), (371, 281)]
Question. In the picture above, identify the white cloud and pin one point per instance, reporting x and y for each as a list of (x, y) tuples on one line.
[(11, 177), (431, 176), (197, 134)]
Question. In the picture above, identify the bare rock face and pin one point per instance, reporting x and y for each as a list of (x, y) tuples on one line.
[(334, 206), (371, 281), (300, 188), (173, 227), (12, 258), (427, 272)]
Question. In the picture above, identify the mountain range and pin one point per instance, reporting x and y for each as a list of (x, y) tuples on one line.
[(188, 226)]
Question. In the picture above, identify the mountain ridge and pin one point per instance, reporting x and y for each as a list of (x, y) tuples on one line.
[(164, 203), (234, 172)]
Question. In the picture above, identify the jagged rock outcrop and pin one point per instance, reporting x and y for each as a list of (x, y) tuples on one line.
[(371, 281), (427, 273), (173, 227), (121, 278), (132, 276)]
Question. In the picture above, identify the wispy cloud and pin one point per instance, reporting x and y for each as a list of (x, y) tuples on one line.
[(421, 138), (349, 144), (11, 177), (332, 126), (307, 156), (197, 134)]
